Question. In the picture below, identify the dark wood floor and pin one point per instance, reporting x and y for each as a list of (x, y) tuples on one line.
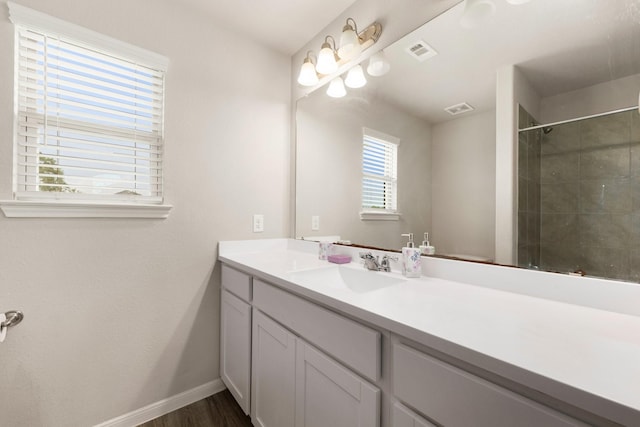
[(219, 410)]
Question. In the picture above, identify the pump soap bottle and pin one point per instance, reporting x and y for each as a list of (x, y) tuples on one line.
[(411, 258), (425, 247)]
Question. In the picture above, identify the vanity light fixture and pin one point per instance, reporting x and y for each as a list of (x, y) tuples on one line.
[(308, 75), (355, 77), (327, 58), (378, 64), (336, 88), (330, 60), (349, 41)]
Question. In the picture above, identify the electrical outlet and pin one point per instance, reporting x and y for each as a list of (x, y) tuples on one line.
[(258, 223), (315, 223)]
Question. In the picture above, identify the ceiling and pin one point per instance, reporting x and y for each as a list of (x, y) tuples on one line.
[(284, 25), (559, 45)]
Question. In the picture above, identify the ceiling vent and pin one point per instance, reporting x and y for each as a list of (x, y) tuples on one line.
[(421, 50), (454, 110)]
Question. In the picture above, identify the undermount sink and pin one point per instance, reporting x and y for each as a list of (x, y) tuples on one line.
[(341, 277)]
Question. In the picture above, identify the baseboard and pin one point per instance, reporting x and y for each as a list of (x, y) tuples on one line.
[(165, 406)]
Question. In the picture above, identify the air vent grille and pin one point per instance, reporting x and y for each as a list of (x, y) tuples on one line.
[(454, 110), (421, 50)]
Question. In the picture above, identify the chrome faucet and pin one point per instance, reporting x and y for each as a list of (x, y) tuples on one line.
[(372, 262), (385, 265)]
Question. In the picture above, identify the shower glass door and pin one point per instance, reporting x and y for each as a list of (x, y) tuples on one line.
[(579, 195)]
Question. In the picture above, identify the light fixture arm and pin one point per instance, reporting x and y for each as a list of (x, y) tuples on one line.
[(310, 57), (353, 27), (327, 44)]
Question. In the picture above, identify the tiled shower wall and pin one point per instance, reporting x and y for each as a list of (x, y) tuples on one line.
[(589, 197)]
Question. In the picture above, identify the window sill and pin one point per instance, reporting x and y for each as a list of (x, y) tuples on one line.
[(379, 216), (40, 209)]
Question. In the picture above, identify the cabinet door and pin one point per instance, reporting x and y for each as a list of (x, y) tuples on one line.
[(404, 417), (235, 347), (273, 374), (328, 394)]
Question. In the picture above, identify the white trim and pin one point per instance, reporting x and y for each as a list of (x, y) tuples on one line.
[(30, 18), (372, 133), (51, 209), (380, 216), (164, 406)]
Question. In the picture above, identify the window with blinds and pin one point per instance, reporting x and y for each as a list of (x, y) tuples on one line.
[(379, 172), (89, 122)]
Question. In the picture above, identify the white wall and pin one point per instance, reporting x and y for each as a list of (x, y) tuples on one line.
[(123, 313), (600, 98), (464, 176), (329, 169), (512, 88)]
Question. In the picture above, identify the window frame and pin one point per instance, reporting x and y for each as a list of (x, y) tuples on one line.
[(54, 204), (380, 214)]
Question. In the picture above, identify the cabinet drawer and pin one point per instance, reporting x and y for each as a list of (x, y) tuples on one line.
[(453, 397), (236, 282), (355, 345)]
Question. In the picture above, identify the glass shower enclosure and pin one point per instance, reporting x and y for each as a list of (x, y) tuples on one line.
[(579, 195)]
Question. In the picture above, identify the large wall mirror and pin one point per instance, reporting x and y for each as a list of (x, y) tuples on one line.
[(576, 138)]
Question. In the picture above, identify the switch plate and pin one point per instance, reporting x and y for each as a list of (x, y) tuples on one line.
[(258, 223), (315, 223)]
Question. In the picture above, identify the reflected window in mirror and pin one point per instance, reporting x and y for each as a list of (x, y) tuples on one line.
[(379, 172)]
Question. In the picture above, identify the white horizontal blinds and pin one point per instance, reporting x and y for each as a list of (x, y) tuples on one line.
[(88, 122), (379, 174)]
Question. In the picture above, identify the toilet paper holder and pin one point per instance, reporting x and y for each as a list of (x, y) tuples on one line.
[(13, 318)]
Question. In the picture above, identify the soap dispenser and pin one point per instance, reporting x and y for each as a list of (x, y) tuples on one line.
[(411, 258), (425, 247)]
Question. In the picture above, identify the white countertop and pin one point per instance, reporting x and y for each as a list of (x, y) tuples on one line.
[(584, 356)]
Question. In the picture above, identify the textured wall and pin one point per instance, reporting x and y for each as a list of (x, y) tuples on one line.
[(122, 313)]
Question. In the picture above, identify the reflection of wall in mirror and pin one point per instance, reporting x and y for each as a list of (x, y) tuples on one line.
[(329, 164), (464, 177), (599, 98)]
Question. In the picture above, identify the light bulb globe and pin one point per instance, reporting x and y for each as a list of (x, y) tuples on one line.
[(308, 75), (326, 60), (378, 64), (349, 44), (355, 78), (336, 88)]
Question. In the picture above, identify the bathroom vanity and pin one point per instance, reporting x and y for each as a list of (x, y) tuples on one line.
[(308, 343)]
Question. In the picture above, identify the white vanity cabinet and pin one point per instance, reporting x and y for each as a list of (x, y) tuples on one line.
[(328, 394), (453, 397), (235, 335), (433, 351), (273, 374), (404, 417), (296, 384)]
